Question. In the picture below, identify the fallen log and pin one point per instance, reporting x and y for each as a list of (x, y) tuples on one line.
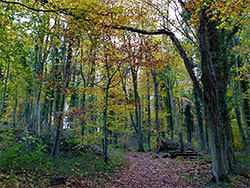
[(185, 154)]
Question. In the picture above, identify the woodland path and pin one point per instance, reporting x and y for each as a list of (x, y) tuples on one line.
[(148, 170)]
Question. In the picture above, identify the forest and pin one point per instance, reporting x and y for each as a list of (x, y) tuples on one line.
[(135, 93)]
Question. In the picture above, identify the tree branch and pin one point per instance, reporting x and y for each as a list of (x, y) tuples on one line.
[(30, 8), (176, 42), (164, 31)]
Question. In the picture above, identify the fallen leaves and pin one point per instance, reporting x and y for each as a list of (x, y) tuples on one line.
[(145, 170)]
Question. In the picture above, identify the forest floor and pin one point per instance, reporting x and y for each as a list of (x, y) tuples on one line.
[(139, 170), (148, 170)]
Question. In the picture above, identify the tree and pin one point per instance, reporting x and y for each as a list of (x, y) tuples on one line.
[(200, 120), (189, 123), (109, 76), (176, 117), (68, 62), (237, 114), (149, 112)]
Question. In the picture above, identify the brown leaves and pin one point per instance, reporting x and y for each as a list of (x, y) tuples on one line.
[(150, 170), (146, 170)]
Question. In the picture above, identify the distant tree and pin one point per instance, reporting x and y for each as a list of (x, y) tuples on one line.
[(189, 123)]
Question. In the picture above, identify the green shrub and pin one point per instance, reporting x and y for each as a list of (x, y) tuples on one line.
[(18, 151)]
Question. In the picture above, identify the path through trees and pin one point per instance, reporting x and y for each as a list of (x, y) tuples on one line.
[(151, 170)]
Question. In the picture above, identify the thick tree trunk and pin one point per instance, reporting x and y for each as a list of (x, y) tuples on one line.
[(211, 104)]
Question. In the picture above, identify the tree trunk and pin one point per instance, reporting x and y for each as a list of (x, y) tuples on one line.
[(137, 110), (237, 114), (241, 101), (105, 159), (169, 110), (59, 125), (181, 145), (84, 114), (14, 111), (50, 111), (149, 112), (41, 57), (200, 121), (246, 106), (210, 101), (66, 79), (189, 123), (5, 90), (127, 100), (156, 105)]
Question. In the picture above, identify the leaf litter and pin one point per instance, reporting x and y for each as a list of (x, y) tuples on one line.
[(147, 170)]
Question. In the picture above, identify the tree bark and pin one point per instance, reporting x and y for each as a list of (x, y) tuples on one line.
[(241, 101), (189, 123), (156, 106), (149, 112), (181, 144), (211, 104), (169, 110), (200, 121), (137, 110), (5, 90), (66, 79), (105, 159), (14, 111), (237, 115)]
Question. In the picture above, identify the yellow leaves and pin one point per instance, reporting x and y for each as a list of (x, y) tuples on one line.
[(227, 12)]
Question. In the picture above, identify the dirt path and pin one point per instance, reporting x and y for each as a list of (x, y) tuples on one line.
[(146, 170)]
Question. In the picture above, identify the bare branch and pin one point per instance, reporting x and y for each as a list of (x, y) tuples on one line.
[(164, 17), (30, 8)]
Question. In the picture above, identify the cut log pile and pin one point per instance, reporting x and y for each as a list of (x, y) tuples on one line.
[(171, 149), (185, 154), (168, 145)]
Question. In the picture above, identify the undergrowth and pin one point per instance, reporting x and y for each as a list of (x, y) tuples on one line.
[(25, 161)]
